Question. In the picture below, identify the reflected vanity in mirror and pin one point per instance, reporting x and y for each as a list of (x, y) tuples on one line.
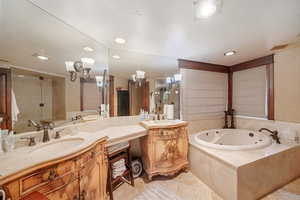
[(142, 84)]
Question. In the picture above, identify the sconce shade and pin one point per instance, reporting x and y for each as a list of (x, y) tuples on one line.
[(69, 66)]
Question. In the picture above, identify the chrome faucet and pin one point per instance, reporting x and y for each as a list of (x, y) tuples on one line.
[(274, 134), (76, 118)]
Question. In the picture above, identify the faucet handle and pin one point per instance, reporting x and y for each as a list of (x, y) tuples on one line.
[(57, 133), (31, 140)]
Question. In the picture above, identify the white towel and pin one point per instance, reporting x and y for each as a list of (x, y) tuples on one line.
[(14, 108), (170, 111)]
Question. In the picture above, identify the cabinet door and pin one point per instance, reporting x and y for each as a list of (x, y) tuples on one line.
[(90, 181), (69, 192), (183, 143), (166, 148)]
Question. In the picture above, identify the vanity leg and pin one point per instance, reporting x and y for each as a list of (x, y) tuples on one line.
[(109, 183), (130, 166)]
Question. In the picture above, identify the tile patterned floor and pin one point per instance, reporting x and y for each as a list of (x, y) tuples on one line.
[(189, 187)]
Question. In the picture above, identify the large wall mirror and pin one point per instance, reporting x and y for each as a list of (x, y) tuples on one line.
[(55, 71)]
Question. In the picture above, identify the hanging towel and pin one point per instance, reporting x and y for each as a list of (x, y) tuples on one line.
[(14, 108)]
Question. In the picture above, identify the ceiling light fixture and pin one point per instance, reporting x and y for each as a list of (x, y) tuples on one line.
[(206, 8), (230, 53), (41, 57), (116, 56), (88, 49), (120, 40)]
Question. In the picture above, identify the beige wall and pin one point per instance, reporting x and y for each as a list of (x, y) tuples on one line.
[(72, 95), (30, 92), (58, 98), (287, 85)]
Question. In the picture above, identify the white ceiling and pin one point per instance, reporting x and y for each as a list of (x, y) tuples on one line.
[(168, 28), (158, 32), (26, 30)]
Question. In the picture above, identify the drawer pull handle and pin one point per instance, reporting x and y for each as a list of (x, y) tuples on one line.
[(52, 175), (76, 198)]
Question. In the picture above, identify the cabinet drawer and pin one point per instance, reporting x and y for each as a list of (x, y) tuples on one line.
[(58, 184), (43, 176), (167, 133)]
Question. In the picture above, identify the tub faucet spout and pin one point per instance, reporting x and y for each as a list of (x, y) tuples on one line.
[(274, 134)]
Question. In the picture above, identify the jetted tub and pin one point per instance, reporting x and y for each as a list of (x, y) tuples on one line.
[(232, 139)]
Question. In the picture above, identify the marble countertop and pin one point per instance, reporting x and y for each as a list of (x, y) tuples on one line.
[(23, 158)]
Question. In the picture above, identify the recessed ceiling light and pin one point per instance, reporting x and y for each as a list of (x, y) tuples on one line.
[(21, 76), (206, 8), (88, 60), (40, 57), (230, 53), (116, 56), (120, 40), (88, 49)]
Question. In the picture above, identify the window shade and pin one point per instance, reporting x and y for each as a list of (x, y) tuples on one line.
[(203, 94), (250, 91)]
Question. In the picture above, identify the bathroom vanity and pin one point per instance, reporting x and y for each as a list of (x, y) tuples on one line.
[(81, 175), (165, 148)]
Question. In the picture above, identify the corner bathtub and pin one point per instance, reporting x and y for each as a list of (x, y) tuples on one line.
[(232, 139)]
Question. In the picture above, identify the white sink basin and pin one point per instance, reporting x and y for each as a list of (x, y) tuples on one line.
[(161, 122), (57, 146)]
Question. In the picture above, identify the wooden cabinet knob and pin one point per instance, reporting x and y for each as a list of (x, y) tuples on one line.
[(76, 198), (83, 195)]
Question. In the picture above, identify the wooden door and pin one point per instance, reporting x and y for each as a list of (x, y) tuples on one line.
[(68, 192), (145, 96), (5, 98), (123, 102)]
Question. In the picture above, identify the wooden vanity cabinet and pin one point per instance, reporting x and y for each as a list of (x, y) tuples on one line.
[(81, 176), (165, 150)]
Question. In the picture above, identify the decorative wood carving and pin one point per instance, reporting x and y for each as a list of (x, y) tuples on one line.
[(82, 176), (165, 150)]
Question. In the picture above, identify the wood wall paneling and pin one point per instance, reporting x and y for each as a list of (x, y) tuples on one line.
[(188, 64), (253, 63), (111, 96), (270, 91), (5, 98), (146, 96), (230, 91)]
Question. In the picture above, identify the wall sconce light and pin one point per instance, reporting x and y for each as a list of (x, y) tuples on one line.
[(83, 66), (71, 69), (139, 77), (177, 77), (99, 81)]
